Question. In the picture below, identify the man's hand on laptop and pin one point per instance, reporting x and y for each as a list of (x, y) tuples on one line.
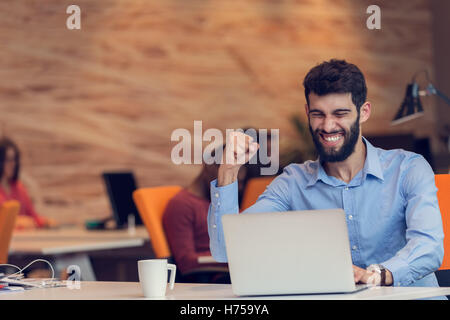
[(369, 277), (239, 150)]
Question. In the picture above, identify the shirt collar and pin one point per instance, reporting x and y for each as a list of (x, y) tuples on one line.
[(372, 166)]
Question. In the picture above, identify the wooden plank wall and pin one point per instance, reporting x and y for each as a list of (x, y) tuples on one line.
[(108, 96)]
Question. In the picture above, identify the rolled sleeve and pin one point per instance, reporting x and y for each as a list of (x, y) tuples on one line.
[(224, 200)]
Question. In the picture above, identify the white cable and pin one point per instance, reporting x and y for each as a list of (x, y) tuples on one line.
[(20, 270)]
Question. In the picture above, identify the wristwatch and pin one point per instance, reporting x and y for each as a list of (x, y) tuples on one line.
[(378, 268)]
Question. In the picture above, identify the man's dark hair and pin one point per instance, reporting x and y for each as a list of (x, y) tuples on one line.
[(5, 144), (336, 76)]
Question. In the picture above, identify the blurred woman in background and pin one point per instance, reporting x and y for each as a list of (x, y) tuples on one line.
[(12, 189)]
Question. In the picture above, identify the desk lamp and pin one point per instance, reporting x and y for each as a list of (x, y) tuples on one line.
[(411, 106)]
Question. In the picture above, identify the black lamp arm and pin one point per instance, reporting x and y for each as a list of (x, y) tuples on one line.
[(432, 90)]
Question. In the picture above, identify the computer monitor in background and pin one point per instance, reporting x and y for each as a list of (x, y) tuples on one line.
[(120, 187)]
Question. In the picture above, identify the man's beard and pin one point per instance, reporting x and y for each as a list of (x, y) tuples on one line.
[(348, 147)]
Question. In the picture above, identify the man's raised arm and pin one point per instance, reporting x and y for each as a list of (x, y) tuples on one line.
[(224, 190)]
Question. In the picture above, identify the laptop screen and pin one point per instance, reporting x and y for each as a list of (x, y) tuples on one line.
[(120, 187)]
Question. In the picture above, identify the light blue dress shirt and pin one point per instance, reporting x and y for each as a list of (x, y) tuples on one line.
[(392, 211)]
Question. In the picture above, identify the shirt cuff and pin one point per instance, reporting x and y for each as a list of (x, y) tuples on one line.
[(400, 270), (224, 199)]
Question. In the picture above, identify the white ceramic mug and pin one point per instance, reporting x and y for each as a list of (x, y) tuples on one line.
[(153, 276)]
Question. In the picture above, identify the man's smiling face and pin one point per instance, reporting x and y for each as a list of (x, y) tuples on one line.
[(334, 123)]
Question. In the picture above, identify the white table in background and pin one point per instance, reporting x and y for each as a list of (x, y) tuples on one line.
[(71, 246)]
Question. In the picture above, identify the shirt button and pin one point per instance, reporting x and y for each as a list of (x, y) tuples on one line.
[(346, 188), (350, 217), (354, 247), (214, 226), (216, 195)]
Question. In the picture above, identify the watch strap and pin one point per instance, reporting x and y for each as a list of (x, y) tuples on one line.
[(383, 275)]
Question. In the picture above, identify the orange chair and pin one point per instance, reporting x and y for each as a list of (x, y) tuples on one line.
[(443, 195), (151, 204), (254, 188), (8, 213)]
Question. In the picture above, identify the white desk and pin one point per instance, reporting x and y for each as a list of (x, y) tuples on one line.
[(70, 246), (77, 233), (186, 291)]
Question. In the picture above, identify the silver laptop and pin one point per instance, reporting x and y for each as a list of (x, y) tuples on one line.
[(295, 252)]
